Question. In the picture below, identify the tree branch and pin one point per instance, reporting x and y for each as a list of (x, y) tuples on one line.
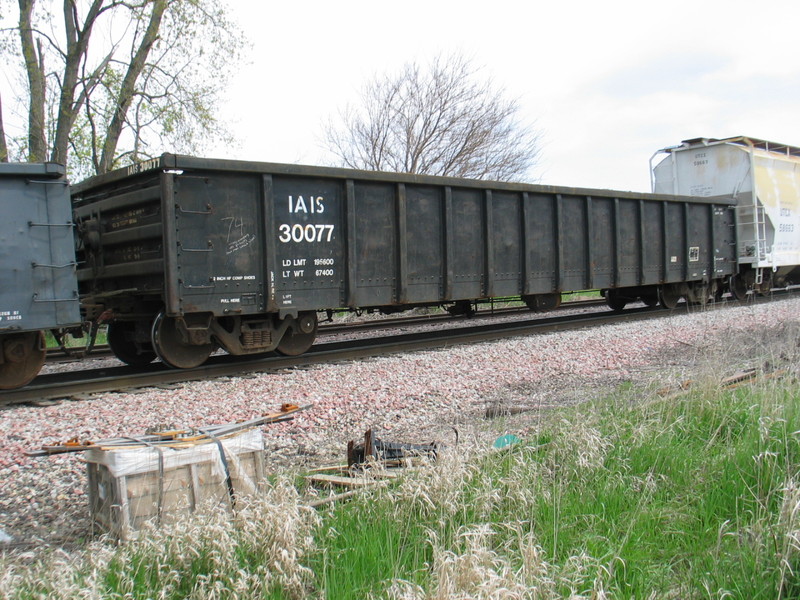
[(127, 88)]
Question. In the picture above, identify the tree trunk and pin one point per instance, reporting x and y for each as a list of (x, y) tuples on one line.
[(77, 44), (128, 87), (34, 66)]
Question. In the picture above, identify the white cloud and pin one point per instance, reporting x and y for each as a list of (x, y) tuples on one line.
[(607, 82)]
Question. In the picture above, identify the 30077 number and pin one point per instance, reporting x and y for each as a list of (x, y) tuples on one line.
[(305, 233)]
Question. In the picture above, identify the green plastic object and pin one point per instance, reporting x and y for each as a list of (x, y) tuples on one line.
[(505, 440)]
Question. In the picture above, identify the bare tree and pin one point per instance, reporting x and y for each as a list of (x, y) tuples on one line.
[(443, 119), (126, 75)]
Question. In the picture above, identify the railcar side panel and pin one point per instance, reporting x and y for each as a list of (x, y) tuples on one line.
[(572, 228), (601, 260), (308, 236), (676, 246), (218, 245), (37, 252), (421, 254), (506, 240), (541, 235), (469, 239), (699, 246), (629, 240), (376, 245), (653, 246)]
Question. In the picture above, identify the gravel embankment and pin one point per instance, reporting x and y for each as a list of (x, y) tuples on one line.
[(417, 397)]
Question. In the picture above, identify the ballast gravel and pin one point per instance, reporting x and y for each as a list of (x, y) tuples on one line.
[(416, 397)]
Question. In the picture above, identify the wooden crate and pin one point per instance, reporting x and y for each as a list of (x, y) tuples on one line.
[(129, 487)]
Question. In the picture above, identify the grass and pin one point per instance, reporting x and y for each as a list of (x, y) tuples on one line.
[(692, 497), (627, 496), (75, 342)]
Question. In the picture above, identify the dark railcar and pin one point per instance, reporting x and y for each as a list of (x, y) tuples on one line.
[(37, 265), (191, 253)]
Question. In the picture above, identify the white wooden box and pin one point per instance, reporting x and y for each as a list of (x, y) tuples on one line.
[(131, 486)]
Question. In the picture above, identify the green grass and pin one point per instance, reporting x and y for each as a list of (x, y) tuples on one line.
[(582, 295), (75, 342), (688, 497), (632, 496), (668, 497)]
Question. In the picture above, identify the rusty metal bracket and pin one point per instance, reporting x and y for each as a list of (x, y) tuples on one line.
[(380, 450)]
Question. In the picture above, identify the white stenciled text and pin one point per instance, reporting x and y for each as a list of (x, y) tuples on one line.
[(305, 233), (313, 205)]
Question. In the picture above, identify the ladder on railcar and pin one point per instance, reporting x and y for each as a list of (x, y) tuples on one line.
[(753, 235)]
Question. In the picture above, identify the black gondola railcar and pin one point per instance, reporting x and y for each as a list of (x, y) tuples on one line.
[(186, 254)]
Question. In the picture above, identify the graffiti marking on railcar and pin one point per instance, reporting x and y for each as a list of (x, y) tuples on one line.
[(240, 244), (237, 238), (235, 227)]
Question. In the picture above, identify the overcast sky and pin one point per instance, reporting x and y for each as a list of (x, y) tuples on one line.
[(607, 83)]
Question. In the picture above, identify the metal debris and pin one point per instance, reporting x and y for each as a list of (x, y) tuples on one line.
[(379, 450), (171, 437), (358, 474)]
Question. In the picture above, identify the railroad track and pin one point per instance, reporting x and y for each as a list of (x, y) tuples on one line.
[(56, 355), (76, 384)]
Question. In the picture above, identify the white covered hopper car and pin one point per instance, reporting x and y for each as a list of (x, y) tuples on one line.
[(764, 178)]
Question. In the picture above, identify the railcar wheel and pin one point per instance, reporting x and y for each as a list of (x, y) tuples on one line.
[(669, 296), (300, 336), (542, 302), (172, 350), (738, 287), (699, 294), (650, 300), (614, 301), (23, 357), (123, 343)]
